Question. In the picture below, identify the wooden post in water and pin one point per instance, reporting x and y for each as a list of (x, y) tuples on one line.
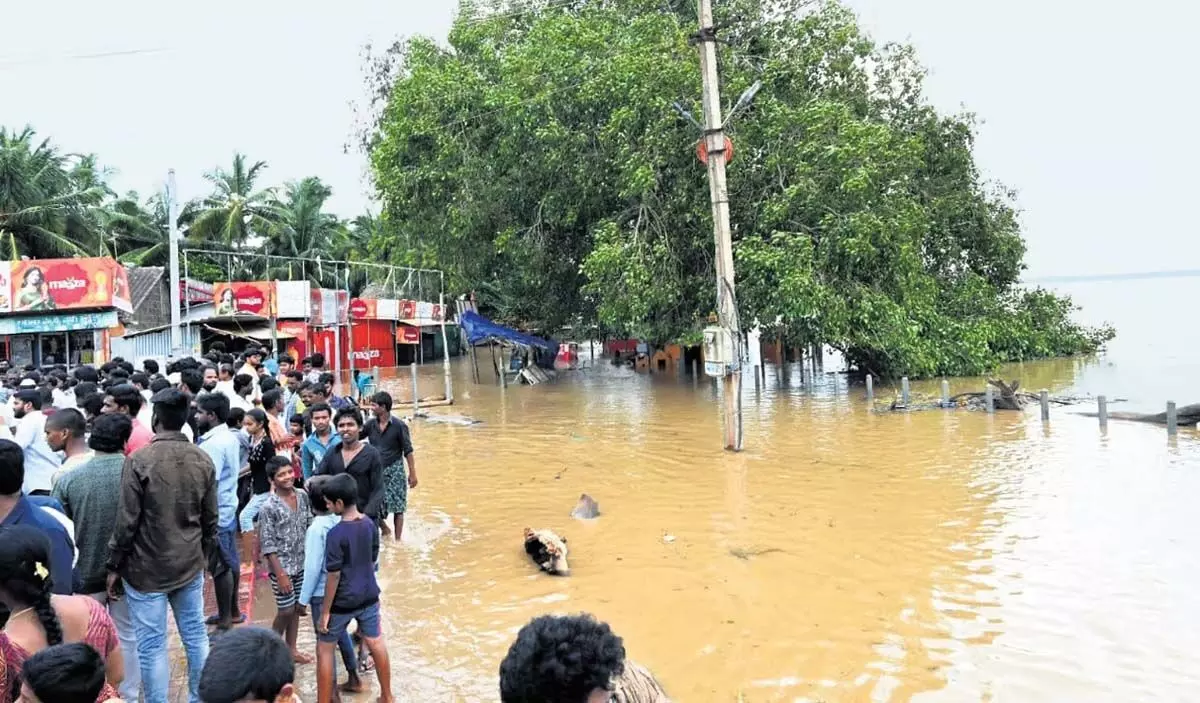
[(904, 394), (870, 389), (989, 399), (1172, 419), (1102, 411), (945, 393), (1044, 399), (416, 392)]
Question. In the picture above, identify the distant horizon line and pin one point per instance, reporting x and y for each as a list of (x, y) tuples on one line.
[(1135, 275)]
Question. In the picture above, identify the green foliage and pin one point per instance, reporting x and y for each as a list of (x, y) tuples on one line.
[(538, 159)]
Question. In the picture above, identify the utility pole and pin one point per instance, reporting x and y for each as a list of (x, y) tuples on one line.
[(714, 136), (173, 248)]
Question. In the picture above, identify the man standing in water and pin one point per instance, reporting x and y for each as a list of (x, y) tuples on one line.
[(282, 524), (166, 525), (390, 436)]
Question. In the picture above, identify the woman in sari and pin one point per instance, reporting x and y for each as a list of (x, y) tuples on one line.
[(39, 620)]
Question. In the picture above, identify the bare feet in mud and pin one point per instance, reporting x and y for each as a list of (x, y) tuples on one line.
[(301, 657), (353, 686)]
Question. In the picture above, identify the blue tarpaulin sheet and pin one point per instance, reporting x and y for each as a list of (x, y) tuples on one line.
[(480, 329)]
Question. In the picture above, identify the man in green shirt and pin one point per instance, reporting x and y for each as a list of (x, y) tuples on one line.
[(89, 495)]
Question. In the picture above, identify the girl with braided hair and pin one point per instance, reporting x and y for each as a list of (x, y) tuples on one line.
[(39, 619)]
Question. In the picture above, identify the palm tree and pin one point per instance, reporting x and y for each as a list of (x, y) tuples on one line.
[(47, 199), (235, 214), (137, 233), (302, 229)]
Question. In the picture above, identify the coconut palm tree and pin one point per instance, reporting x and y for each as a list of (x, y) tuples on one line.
[(47, 199), (137, 232), (236, 214)]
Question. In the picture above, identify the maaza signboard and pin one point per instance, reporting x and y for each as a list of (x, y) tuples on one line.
[(40, 285), (244, 298)]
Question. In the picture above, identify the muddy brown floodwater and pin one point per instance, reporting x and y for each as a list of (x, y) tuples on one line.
[(844, 556)]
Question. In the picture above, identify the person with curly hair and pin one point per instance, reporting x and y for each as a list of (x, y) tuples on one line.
[(39, 619), (562, 659)]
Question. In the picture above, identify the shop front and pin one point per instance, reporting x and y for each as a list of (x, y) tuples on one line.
[(46, 340), (59, 311)]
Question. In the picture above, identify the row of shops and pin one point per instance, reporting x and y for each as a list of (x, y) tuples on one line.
[(86, 311)]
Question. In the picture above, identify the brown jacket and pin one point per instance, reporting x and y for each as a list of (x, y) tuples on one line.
[(166, 516)]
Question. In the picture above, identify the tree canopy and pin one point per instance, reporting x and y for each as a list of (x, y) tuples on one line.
[(538, 158)]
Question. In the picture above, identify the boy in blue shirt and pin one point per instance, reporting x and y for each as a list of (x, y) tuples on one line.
[(351, 591)]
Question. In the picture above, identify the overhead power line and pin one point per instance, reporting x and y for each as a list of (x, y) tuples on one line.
[(34, 61)]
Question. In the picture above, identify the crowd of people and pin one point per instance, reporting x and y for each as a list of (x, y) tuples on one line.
[(120, 489)]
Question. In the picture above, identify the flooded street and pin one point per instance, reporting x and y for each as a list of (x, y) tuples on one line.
[(845, 555)]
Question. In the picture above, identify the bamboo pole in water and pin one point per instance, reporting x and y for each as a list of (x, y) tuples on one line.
[(1102, 411)]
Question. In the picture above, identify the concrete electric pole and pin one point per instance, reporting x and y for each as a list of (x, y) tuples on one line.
[(173, 249), (714, 136)]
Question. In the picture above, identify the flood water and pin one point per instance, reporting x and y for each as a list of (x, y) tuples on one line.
[(845, 555)]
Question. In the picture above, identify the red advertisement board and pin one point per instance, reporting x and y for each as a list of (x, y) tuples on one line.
[(244, 298), (40, 285)]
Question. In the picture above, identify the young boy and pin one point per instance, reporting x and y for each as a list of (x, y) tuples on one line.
[(352, 593), (248, 664), (313, 591), (283, 521), (296, 430)]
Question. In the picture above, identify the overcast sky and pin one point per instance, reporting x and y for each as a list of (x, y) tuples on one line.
[(1086, 106)]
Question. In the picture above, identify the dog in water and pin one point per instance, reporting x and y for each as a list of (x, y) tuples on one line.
[(547, 550)]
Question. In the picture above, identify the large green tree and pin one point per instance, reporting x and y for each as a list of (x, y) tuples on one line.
[(539, 158)]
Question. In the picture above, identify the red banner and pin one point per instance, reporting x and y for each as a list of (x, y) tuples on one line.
[(40, 285), (244, 298)]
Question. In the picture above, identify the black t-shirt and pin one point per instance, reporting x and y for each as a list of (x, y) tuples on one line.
[(260, 454), (394, 442), (367, 470)]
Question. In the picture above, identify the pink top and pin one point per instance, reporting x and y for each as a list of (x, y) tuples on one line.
[(101, 636), (140, 437)]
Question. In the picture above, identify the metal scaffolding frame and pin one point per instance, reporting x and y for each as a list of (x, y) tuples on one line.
[(341, 275)]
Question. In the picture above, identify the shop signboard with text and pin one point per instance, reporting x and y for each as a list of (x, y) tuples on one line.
[(30, 324), (244, 298), (42, 285)]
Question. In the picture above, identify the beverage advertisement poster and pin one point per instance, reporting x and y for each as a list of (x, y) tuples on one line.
[(40, 285), (244, 298)]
